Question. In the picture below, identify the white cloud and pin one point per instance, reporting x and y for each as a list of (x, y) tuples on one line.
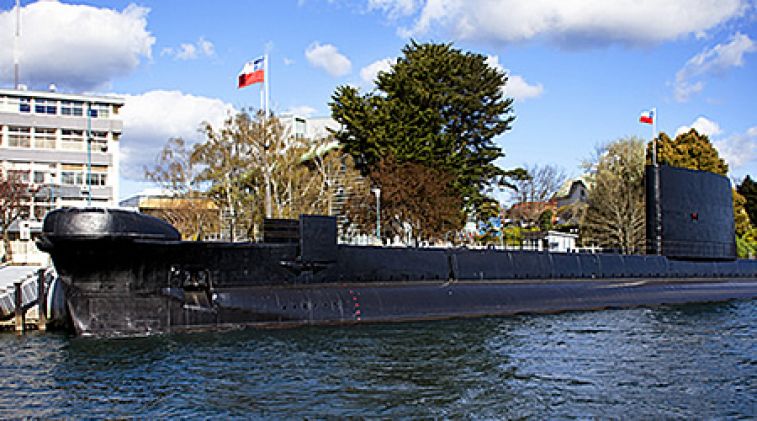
[(739, 151), (568, 22), (712, 61), (395, 8), (187, 51), (75, 46), (328, 58), (371, 71), (151, 118), (301, 111), (206, 46), (703, 126), (516, 86), (288, 61)]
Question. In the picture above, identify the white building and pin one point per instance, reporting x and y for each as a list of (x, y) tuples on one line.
[(555, 241), (312, 128), (65, 146)]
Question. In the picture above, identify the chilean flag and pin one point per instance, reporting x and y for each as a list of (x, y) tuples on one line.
[(647, 117), (252, 73)]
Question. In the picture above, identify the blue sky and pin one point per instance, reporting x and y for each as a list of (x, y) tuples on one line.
[(581, 70)]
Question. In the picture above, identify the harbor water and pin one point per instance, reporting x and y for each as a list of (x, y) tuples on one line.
[(692, 361)]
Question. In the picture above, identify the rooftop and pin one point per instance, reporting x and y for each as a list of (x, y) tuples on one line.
[(61, 96)]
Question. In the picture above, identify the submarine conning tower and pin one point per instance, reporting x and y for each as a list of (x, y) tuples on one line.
[(689, 214)]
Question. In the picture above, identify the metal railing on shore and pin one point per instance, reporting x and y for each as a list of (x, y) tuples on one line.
[(21, 308)]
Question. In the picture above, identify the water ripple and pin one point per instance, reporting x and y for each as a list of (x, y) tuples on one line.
[(694, 361)]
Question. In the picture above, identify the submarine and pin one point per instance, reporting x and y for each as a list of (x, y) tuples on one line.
[(128, 274)]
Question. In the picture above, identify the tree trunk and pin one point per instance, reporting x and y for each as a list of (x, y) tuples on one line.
[(268, 204), (7, 245)]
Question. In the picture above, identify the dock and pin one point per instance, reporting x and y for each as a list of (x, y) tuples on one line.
[(20, 308)]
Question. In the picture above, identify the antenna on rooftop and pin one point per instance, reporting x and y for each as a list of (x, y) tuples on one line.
[(15, 44)]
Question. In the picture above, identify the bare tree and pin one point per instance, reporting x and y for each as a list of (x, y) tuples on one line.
[(533, 193), (615, 217), (232, 160), (255, 169), (333, 173), (13, 193), (187, 208), (174, 170)]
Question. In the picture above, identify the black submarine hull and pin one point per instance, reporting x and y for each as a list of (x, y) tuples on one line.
[(127, 274), (114, 314)]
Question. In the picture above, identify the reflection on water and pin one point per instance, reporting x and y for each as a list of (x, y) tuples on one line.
[(685, 361)]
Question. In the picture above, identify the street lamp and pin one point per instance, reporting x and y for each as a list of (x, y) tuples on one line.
[(377, 192), (52, 190), (89, 154)]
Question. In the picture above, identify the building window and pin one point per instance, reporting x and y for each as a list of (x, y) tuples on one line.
[(99, 111), (19, 137), (20, 175), (72, 139), (72, 178), (99, 141), (45, 106), (72, 108), (76, 175), (39, 177), (44, 138), (98, 179), (24, 105), (99, 175)]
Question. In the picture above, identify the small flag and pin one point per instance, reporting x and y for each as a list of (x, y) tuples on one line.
[(647, 117), (253, 72)]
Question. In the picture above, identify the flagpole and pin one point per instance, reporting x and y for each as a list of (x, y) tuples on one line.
[(654, 136), (657, 198), (268, 169), (266, 82), (262, 105)]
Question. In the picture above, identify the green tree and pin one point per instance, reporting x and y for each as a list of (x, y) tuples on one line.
[(741, 217), (615, 216), (437, 106), (688, 150), (748, 189), (545, 220)]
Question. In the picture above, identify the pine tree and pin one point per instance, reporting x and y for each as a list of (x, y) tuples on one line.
[(439, 107), (748, 189)]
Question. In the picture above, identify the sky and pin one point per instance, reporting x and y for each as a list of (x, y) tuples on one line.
[(580, 71)]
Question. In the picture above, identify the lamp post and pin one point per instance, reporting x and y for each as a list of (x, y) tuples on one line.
[(52, 191), (377, 192), (89, 154)]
